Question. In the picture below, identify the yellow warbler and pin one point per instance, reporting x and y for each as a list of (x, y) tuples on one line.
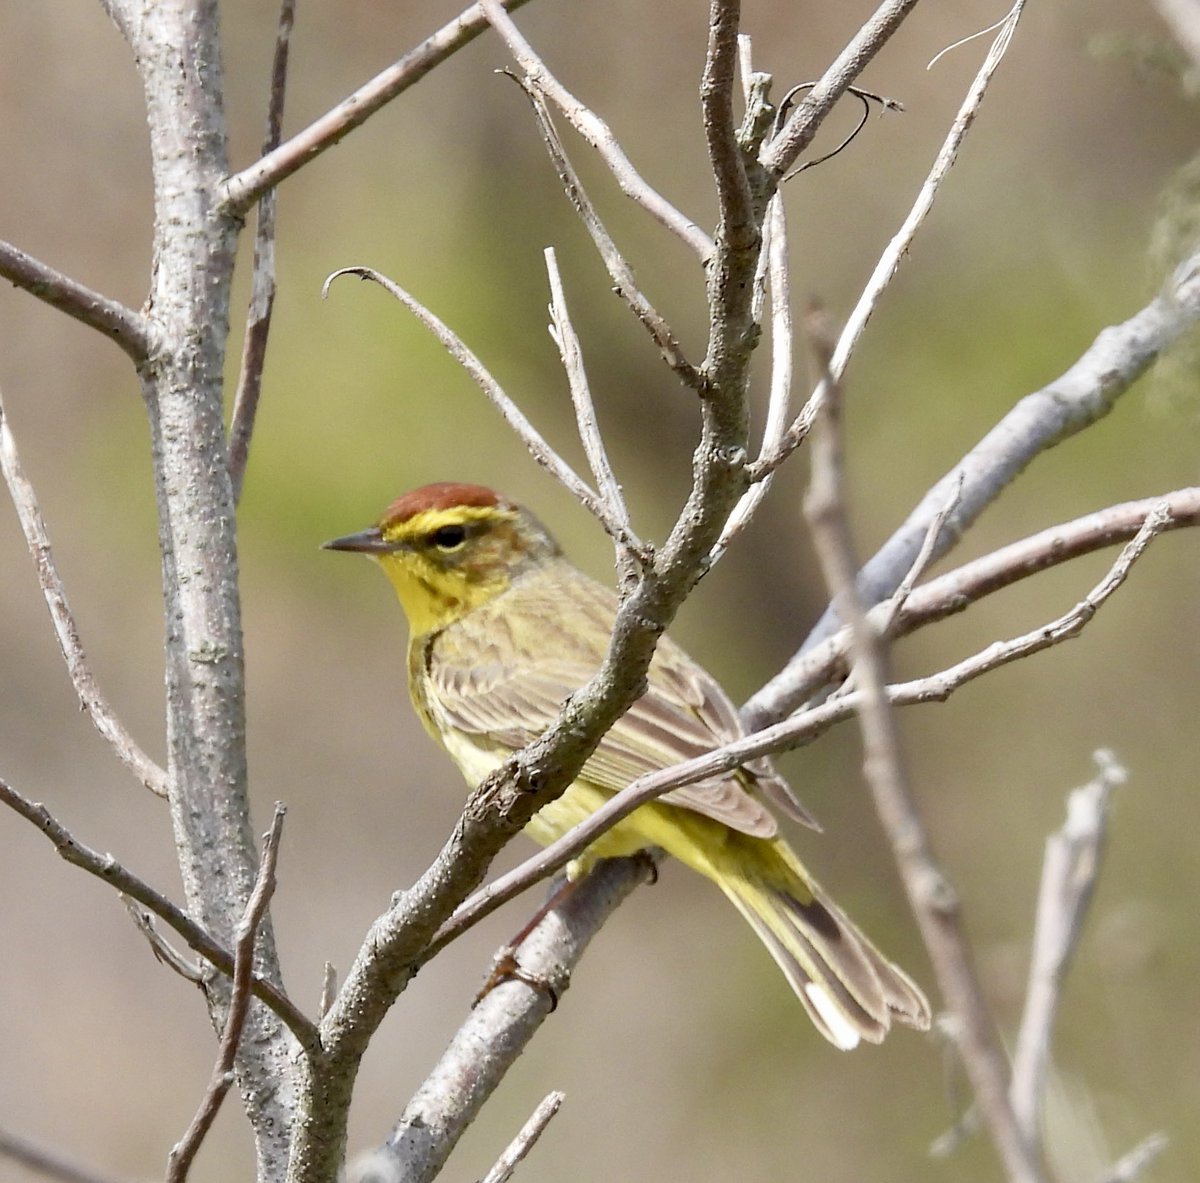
[(503, 629)]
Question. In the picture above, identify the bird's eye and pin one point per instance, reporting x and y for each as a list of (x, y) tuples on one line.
[(448, 537)]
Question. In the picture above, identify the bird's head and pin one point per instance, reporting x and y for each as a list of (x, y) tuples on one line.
[(448, 548)]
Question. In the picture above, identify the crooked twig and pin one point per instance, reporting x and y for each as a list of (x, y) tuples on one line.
[(778, 157), (184, 1152), (597, 133), (262, 283), (33, 526), (889, 261), (106, 868), (539, 449), (619, 270)]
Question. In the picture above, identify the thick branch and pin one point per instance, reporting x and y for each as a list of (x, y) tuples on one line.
[(503, 1022)]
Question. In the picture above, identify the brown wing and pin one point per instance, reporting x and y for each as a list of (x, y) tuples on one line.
[(683, 713)]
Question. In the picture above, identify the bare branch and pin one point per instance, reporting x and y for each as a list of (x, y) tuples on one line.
[(180, 1160), (958, 589), (931, 895), (738, 225), (262, 283), (782, 347), (132, 331), (889, 261), (611, 500), (1076, 400), (65, 629), (619, 270), (46, 1161), (106, 868), (526, 1137), (782, 152), (1069, 874), (163, 950), (240, 191), (597, 133), (502, 1024), (541, 451)]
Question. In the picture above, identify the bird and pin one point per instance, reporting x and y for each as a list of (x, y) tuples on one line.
[(503, 629)]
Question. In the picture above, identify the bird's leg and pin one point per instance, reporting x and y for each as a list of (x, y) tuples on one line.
[(506, 967)]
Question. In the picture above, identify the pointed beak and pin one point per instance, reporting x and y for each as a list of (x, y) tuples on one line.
[(365, 542)]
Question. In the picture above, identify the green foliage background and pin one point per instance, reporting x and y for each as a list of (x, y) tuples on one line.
[(680, 1049)]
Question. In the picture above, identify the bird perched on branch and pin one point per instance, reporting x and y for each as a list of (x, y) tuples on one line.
[(503, 629)]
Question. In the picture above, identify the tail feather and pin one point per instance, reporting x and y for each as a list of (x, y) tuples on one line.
[(849, 989)]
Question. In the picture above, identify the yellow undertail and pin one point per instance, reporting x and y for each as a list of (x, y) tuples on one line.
[(850, 990)]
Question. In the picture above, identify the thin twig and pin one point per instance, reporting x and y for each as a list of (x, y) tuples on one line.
[(240, 191), (931, 895), (184, 1152), (796, 731), (47, 1162), (958, 589), (164, 952), (33, 526), (526, 1137), (597, 133), (106, 868), (611, 499), (619, 270), (541, 451), (1069, 873), (889, 261), (262, 283), (778, 157), (134, 333)]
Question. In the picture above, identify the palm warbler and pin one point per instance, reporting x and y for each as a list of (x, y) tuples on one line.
[(503, 629)]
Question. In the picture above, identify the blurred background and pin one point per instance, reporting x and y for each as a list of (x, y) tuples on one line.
[(680, 1048)]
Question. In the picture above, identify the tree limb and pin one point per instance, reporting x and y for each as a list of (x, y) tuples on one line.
[(240, 191), (262, 281), (1080, 397), (106, 868), (931, 895), (132, 331)]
